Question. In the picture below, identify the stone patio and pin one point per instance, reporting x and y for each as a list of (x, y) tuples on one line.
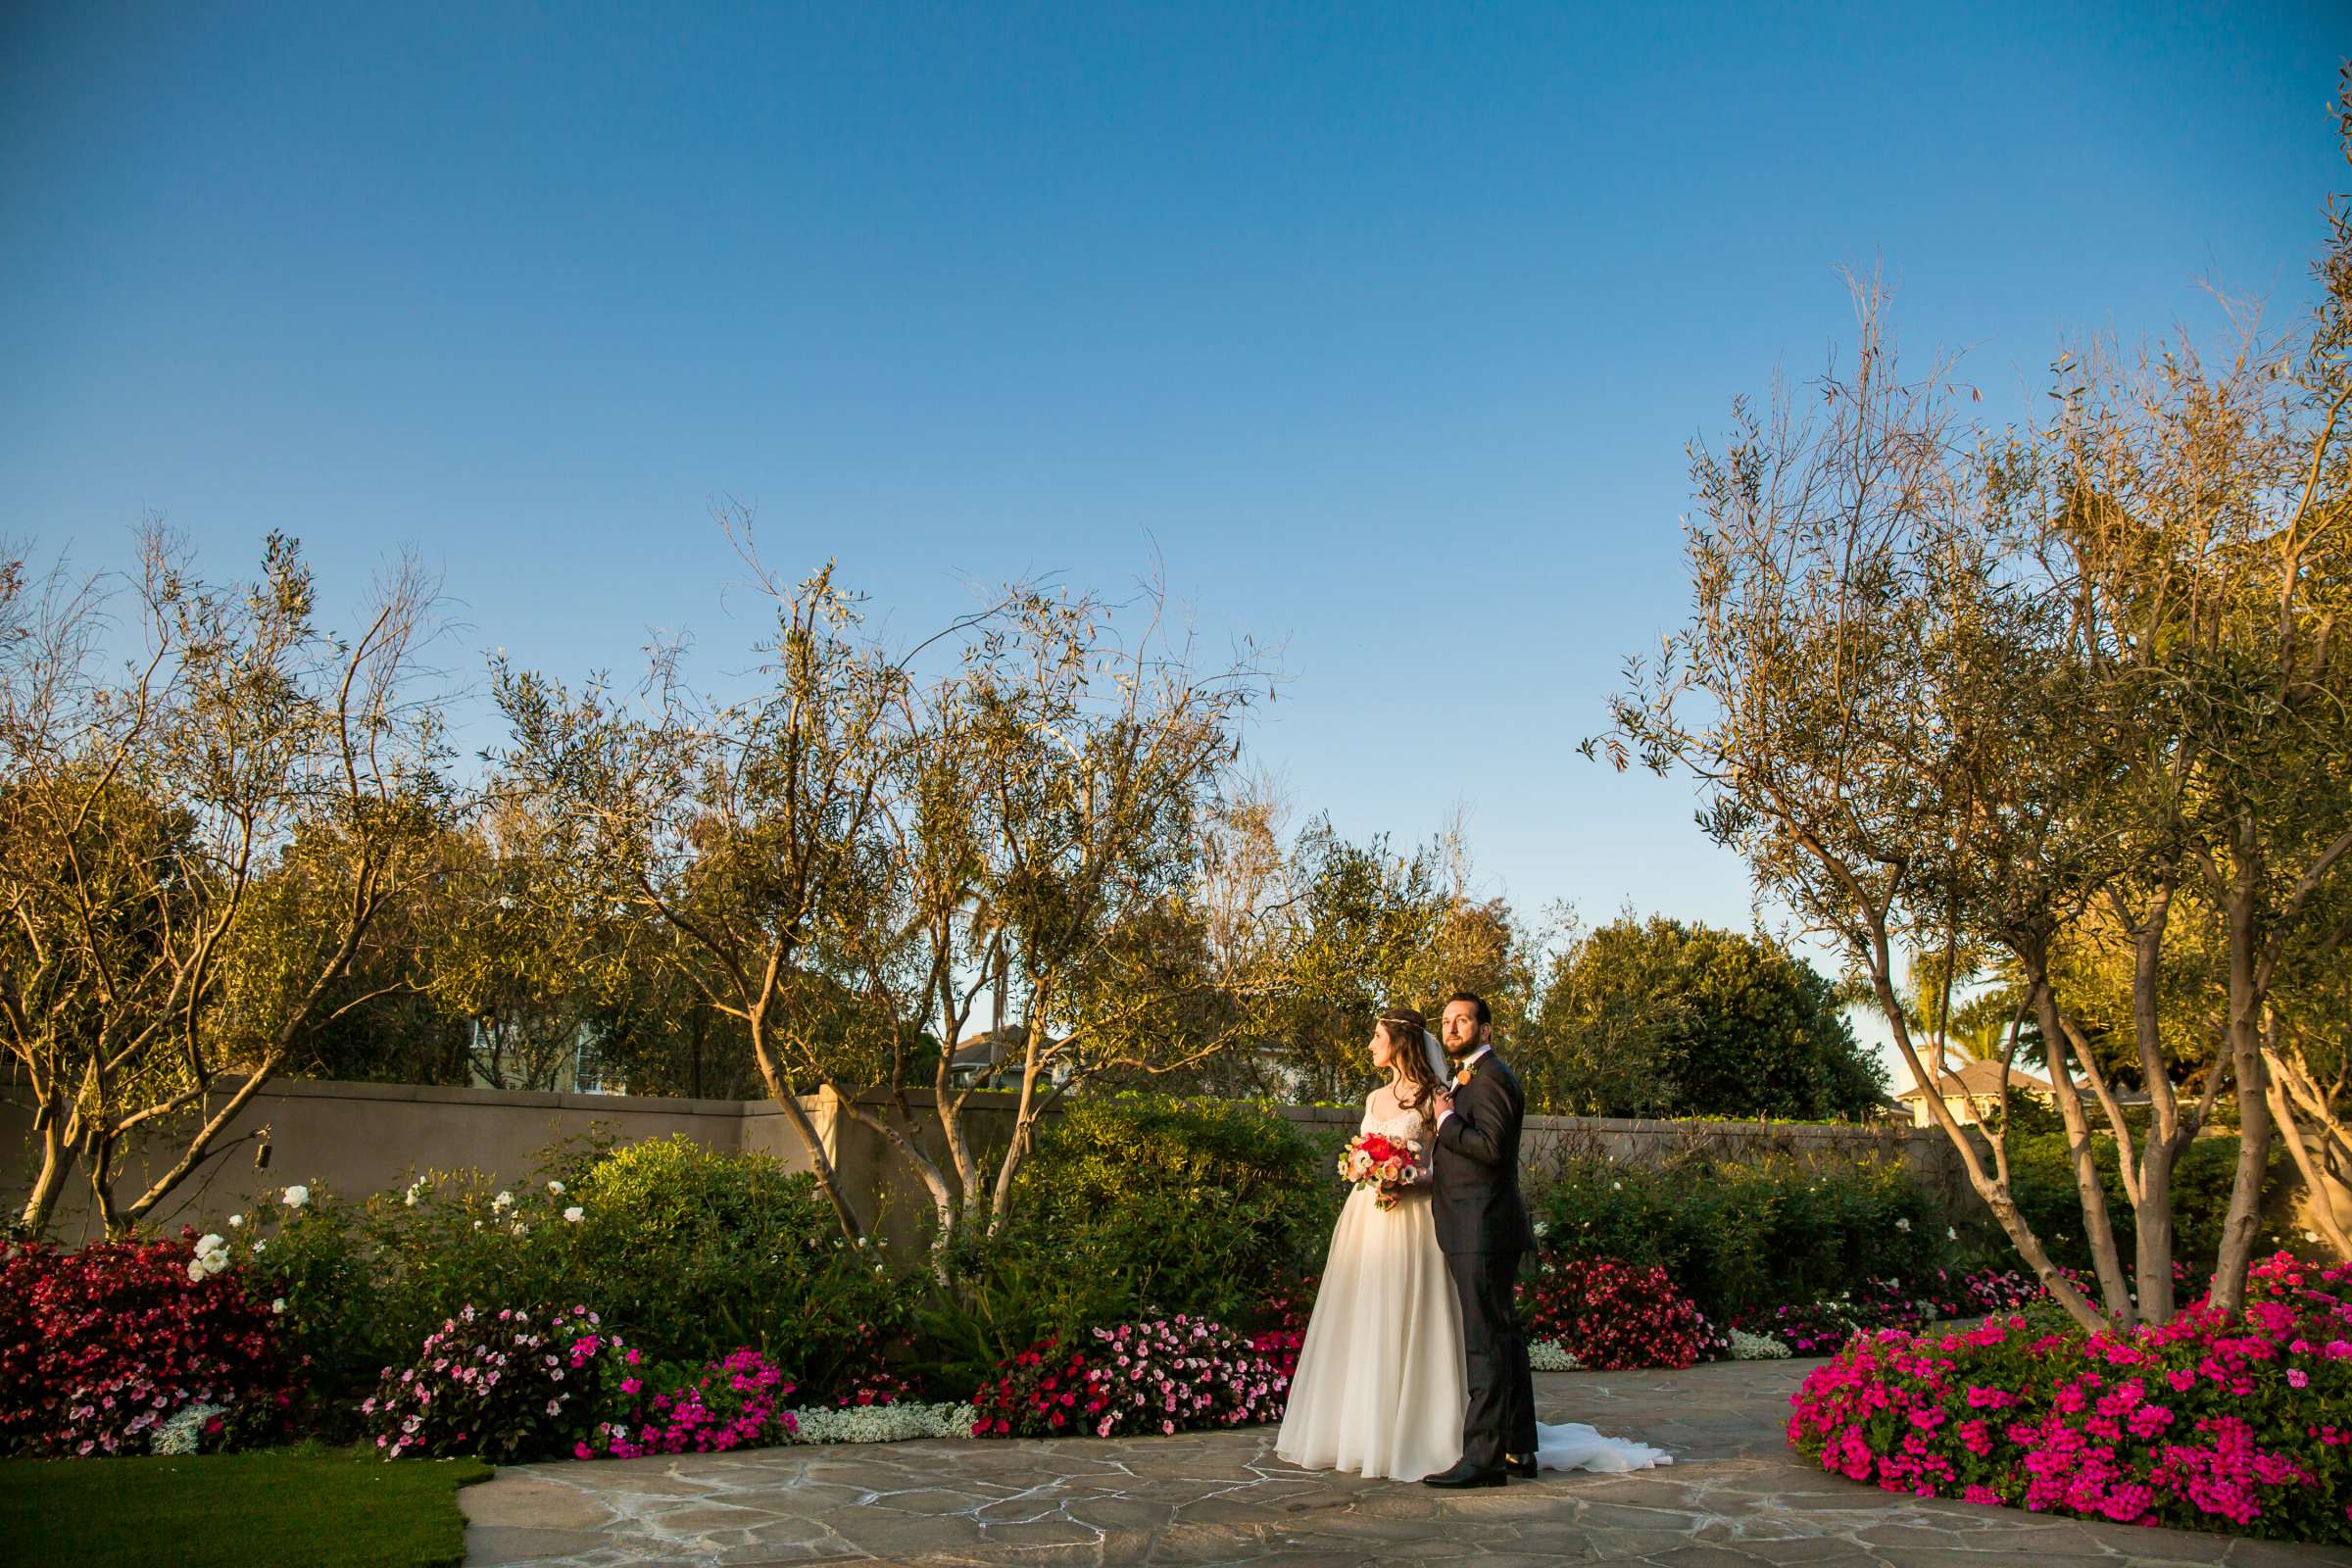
[(1734, 1499)]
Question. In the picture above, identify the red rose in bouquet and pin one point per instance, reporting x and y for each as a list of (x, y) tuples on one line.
[(1388, 1165)]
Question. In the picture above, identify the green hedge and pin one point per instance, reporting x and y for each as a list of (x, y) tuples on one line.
[(1747, 1235), (690, 1254), (1187, 1206)]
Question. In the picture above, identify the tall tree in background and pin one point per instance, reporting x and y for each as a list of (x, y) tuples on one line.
[(847, 857), (1659, 1018), (748, 829), (2036, 697), (1047, 824), (1845, 635), (148, 988)]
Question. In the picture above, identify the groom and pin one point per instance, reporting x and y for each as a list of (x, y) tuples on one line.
[(1483, 1229)]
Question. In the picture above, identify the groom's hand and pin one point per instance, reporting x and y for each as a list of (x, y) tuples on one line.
[(1445, 1103)]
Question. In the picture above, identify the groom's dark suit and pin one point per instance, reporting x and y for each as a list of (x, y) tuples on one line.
[(1483, 1230)]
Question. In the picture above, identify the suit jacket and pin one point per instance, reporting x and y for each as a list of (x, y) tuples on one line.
[(1474, 1175)]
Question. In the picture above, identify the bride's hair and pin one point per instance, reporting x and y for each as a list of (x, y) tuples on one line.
[(1417, 1080)]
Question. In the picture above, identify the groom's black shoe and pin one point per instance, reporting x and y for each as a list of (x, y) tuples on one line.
[(1465, 1474), (1521, 1465)]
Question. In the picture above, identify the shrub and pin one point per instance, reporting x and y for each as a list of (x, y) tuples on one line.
[(2041, 1180), (507, 1385), (102, 1347), (693, 1253), (737, 1402), (702, 1252), (1177, 1207), (314, 1257), (1167, 1375), (2208, 1422), (1741, 1238), (1614, 1317)]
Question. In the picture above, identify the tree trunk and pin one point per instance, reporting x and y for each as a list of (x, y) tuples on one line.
[(934, 1180), (821, 1163), (57, 1163), (2323, 1208), (2243, 1222), (2152, 1210), (1024, 1116), (2098, 1226), (1993, 1189)]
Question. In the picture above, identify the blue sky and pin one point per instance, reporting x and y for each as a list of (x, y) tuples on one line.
[(1384, 325)]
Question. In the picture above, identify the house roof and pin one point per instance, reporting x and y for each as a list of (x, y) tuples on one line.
[(1980, 1079), (988, 1047), (1981, 1076)]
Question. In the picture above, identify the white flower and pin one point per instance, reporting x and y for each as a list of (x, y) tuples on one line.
[(259, 1247), (185, 1429), (503, 1200), (1747, 1347), (235, 1220), (2311, 1235), (1951, 1233), (520, 1229), (279, 1304), (1903, 1225), (212, 1244), (410, 1197), (555, 1188), (882, 1423), (1541, 1229), (575, 1214), (1616, 1187), (196, 1270), (297, 1195), (477, 1224), (1549, 1356)]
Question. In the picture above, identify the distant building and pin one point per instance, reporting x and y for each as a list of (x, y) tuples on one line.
[(565, 1067), (993, 1059), (1972, 1094)]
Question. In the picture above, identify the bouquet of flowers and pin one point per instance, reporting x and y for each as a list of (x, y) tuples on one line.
[(1388, 1165)]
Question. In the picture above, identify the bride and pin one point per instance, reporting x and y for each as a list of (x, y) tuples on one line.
[(1381, 1385)]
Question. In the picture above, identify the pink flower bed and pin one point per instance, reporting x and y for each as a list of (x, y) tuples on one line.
[(1167, 1375), (1616, 1317), (1280, 1342), (734, 1404), (509, 1385), (101, 1345), (2208, 1422)]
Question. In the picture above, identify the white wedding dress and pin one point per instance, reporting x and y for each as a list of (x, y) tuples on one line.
[(1381, 1386)]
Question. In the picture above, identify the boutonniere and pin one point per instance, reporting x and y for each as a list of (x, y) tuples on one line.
[(1461, 1079)]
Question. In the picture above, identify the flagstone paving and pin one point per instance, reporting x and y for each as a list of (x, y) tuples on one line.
[(1734, 1499)]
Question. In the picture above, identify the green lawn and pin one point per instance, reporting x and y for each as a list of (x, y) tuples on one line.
[(313, 1506)]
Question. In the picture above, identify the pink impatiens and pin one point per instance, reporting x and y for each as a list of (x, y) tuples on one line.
[(2208, 1422), (1166, 1375), (734, 1404), (506, 1385)]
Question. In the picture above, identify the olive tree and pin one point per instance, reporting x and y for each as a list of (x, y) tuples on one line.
[(1852, 660), (194, 849), (850, 855)]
